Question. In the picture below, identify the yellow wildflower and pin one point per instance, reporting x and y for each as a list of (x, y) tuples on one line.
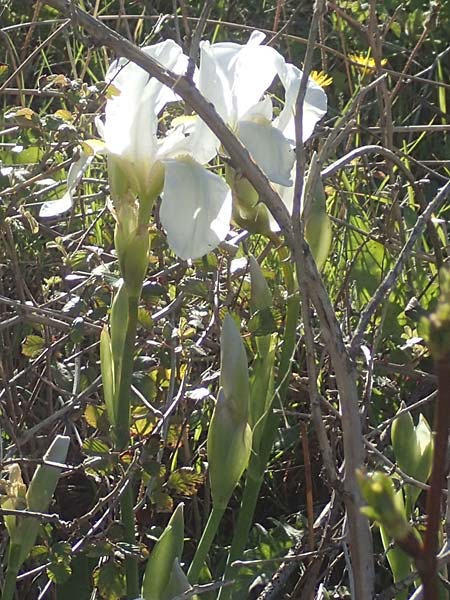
[(321, 78), (365, 62)]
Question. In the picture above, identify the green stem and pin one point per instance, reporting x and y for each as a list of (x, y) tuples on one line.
[(122, 438), (257, 466), (122, 428), (9, 587), (131, 565), (205, 544)]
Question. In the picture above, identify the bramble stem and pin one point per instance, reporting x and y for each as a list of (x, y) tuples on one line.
[(437, 481)]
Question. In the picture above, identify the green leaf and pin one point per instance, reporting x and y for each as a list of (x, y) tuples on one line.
[(145, 318), (110, 581), (163, 502), (185, 481), (168, 548), (96, 447), (60, 568), (33, 346), (262, 322), (107, 369)]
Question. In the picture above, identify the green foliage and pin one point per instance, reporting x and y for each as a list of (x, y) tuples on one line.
[(161, 576), (58, 275)]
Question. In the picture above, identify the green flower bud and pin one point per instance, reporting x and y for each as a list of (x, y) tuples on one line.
[(380, 495), (262, 388), (261, 298), (318, 232), (413, 449), (23, 531), (234, 371), (248, 212), (119, 183), (132, 251), (424, 442), (12, 495), (403, 440), (162, 564), (229, 446)]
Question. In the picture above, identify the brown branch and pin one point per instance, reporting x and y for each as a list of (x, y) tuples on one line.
[(437, 480)]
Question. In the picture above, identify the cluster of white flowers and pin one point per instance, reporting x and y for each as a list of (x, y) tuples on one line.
[(197, 203)]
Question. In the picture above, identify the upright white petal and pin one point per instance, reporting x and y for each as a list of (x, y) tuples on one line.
[(170, 55), (131, 117), (242, 73), (123, 111), (190, 135), (269, 149), (314, 107), (195, 209), (214, 82)]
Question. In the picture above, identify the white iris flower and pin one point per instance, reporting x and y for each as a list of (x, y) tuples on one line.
[(235, 77), (196, 204)]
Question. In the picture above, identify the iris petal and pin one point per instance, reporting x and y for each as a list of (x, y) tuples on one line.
[(195, 209), (269, 149)]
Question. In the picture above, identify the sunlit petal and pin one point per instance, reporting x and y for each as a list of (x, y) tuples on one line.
[(131, 115), (195, 209), (262, 109), (189, 136), (314, 107), (244, 72), (214, 82), (170, 55), (269, 149)]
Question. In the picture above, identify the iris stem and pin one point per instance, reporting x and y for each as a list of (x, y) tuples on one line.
[(204, 544), (131, 565), (122, 437), (9, 586), (257, 467), (122, 429)]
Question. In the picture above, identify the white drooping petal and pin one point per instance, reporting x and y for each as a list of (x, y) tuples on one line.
[(314, 106), (269, 149), (195, 209), (54, 208)]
